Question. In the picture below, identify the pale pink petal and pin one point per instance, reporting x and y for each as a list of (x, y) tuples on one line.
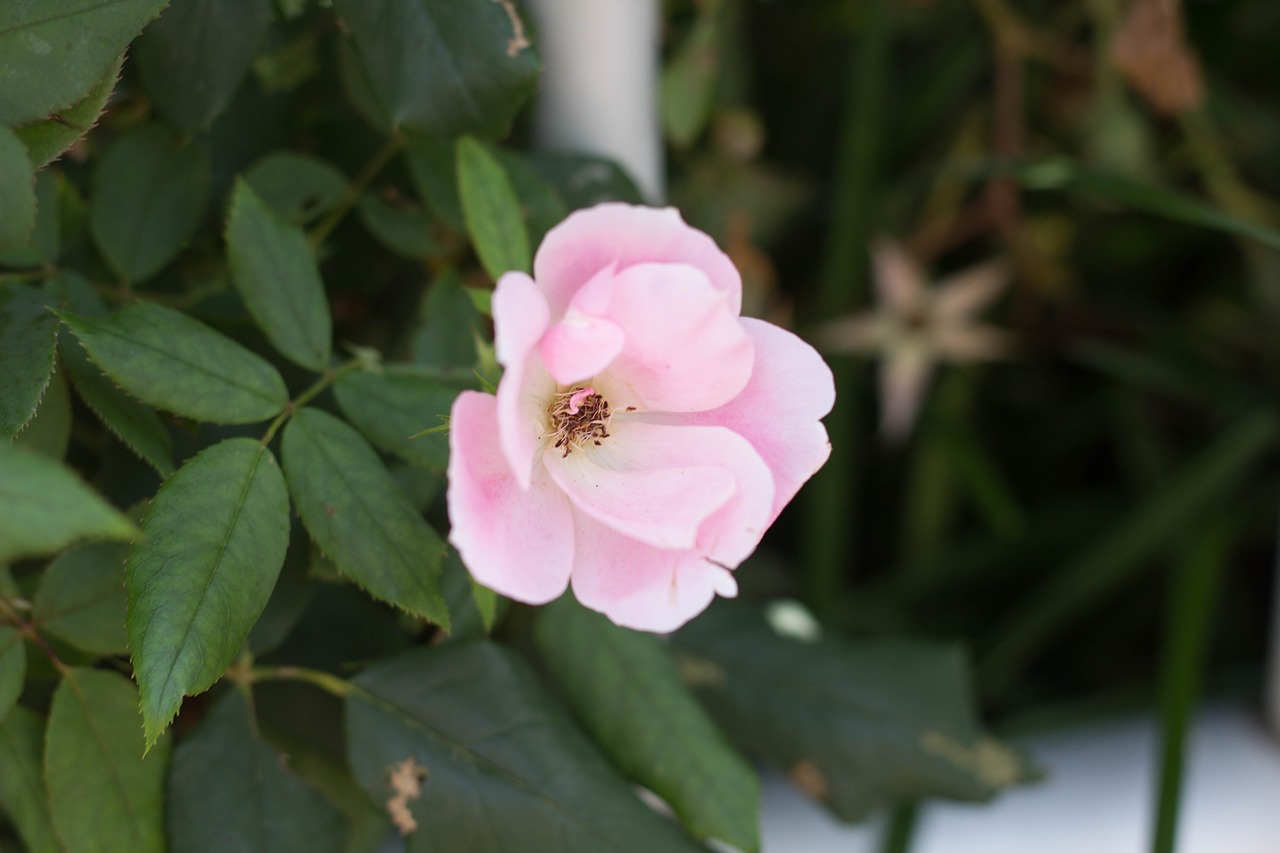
[(591, 239), (639, 586), (583, 342), (520, 318), (969, 291), (904, 378), (640, 482), (517, 542), (898, 280), (778, 411), (685, 349), (731, 533), (578, 347)]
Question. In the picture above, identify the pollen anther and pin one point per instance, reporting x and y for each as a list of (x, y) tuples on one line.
[(577, 416)]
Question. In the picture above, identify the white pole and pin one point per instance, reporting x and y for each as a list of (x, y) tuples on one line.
[(599, 88)]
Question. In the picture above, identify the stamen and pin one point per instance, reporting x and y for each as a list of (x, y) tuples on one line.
[(578, 416)]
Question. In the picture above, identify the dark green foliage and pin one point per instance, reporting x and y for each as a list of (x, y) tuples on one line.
[(149, 196), (861, 725), (627, 693), (493, 748), (103, 794), (230, 790), (356, 513), (213, 543), (481, 65)]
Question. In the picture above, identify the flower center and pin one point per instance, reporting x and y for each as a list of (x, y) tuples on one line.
[(579, 415)]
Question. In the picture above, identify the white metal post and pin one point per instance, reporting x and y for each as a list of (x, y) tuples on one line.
[(599, 88)]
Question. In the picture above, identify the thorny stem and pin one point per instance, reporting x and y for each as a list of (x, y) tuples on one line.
[(357, 187), (330, 376)]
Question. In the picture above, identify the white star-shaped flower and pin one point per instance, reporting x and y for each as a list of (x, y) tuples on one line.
[(914, 326)]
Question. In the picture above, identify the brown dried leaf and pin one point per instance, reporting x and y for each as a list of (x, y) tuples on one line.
[(808, 778), (405, 779), (1151, 52)]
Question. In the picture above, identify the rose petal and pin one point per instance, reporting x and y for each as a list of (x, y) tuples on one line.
[(639, 482), (520, 318), (639, 586), (583, 343), (517, 542), (588, 240), (685, 351), (635, 482), (790, 388)]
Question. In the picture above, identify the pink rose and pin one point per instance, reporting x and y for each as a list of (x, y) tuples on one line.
[(643, 437)]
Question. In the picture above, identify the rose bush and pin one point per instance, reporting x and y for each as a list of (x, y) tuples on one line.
[(643, 436)]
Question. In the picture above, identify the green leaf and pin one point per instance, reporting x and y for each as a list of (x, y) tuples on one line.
[(276, 274), (214, 540), (41, 248), (689, 81), (397, 402), (296, 186), (481, 300), (402, 226), (44, 508), (583, 180), (103, 795), (356, 86), (492, 211), (28, 338), (168, 360), (293, 592), (17, 189), (355, 511), (858, 726), (541, 202), (447, 328), (433, 165), (505, 769), (81, 598), (149, 195), (22, 793), (192, 58), (623, 687), (479, 65), (138, 426), (47, 140), (1063, 175), (51, 54), (229, 790), (13, 668), (473, 609), (49, 432), (488, 603)]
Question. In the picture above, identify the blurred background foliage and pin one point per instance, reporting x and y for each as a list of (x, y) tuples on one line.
[(1093, 511), (1115, 155)]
